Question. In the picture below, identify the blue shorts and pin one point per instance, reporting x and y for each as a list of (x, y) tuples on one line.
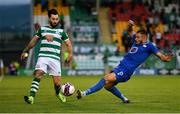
[(122, 74)]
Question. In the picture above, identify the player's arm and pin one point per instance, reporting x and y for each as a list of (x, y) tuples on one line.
[(31, 44), (68, 44), (160, 55), (130, 30), (69, 49), (164, 57)]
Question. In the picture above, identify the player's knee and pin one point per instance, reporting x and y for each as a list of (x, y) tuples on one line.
[(108, 86), (56, 80), (106, 81), (56, 83), (38, 74), (106, 78), (110, 78)]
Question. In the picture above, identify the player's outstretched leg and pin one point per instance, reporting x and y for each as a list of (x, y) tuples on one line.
[(61, 97), (34, 88), (92, 89), (118, 94)]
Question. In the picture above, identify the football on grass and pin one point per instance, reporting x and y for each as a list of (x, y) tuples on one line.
[(67, 89)]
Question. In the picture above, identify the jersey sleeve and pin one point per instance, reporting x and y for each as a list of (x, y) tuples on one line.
[(153, 49), (64, 36), (38, 33)]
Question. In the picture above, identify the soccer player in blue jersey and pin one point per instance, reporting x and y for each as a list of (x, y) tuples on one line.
[(139, 52)]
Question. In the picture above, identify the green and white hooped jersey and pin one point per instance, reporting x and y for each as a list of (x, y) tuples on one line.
[(51, 49)]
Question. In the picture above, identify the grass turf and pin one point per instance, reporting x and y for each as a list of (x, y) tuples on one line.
[(160, 94)]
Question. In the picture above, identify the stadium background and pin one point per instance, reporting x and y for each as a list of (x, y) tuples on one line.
[(98, 30)]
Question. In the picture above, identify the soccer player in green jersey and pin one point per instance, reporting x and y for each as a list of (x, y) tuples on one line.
[(51, 37)]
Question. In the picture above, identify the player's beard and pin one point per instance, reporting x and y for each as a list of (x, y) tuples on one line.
[(140, 42), (53, 25)]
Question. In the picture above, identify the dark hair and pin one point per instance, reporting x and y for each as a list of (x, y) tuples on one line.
[(52, 11), (142, 31)]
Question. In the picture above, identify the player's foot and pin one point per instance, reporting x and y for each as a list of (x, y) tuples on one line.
[(61, 97), (80, 94), (126, 101), (29, 99)]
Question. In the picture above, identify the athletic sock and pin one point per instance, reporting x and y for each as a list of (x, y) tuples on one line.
[(57, 89), (117, 93), (95, 88), (34, 87)]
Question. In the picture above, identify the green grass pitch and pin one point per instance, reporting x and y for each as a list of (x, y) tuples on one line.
[(160, 94)]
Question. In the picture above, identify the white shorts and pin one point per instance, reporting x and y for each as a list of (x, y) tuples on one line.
[(48, 65)]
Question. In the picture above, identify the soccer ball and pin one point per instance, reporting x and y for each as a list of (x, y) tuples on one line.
[(67, 89)]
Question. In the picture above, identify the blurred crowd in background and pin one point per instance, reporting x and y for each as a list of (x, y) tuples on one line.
[(99, 31)]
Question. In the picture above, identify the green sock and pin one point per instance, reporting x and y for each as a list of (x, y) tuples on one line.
[(34, 87), (57, 89)]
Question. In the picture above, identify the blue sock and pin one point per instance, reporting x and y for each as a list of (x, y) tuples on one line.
[(116, 92), (96, 87)]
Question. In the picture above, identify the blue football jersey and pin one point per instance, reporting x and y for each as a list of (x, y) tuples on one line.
[(137, 55)]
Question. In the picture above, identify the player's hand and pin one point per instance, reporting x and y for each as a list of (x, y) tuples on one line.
[(169, 56), (24, 55), (131, 22), (69, 59), (49, 38)]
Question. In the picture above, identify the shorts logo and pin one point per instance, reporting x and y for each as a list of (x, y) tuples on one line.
[(120, 73), (133, 50)]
